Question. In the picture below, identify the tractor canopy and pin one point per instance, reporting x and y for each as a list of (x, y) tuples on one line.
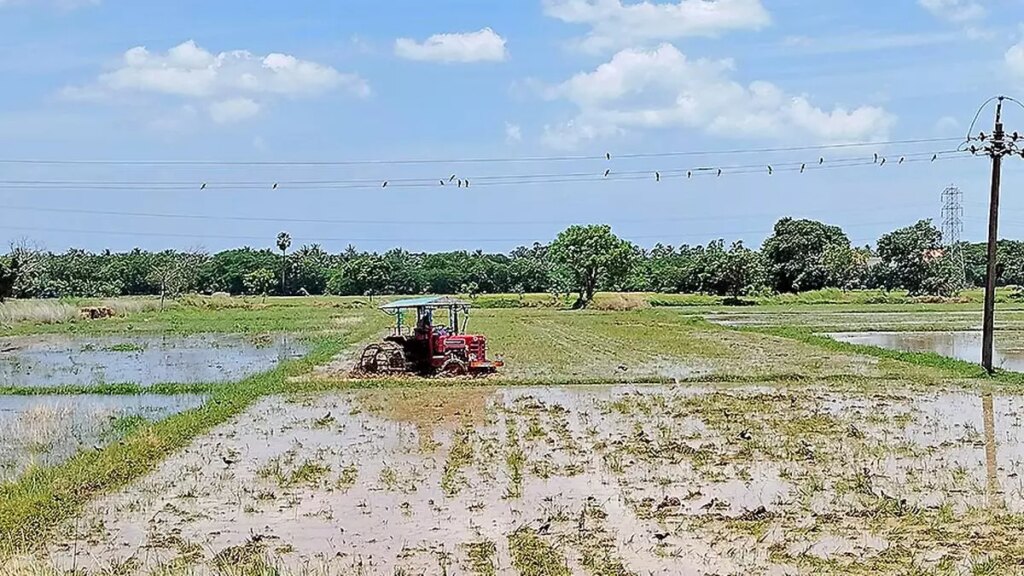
[(425, 302), (425, 307)]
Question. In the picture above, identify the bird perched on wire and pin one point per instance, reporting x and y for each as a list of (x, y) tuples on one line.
[(769, 169), (821, 160), (459, 182), (802, 167), (719, 172), (883, 162), (657, 176), (203, 187), (876, 157), (689, 174), (452, 178), (607, 155), (441, 181), (901, 160), (385, 185), (274, 187), (606, 173), (935, 157)]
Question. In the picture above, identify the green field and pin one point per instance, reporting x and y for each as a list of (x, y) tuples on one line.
[(648, 432)]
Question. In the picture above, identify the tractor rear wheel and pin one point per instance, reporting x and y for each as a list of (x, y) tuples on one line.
[(383, 357)]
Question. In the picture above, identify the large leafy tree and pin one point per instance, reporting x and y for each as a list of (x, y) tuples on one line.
[(587, 256), (226, 271), (364, 275), (743, 271), (797, 255), (913, 258)]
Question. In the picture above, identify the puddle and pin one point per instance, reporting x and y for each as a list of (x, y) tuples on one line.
[(56, 360), (46, 430), (654, 480), (961, 345), (855, 320)]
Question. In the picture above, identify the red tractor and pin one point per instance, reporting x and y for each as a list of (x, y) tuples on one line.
[(429, 348)]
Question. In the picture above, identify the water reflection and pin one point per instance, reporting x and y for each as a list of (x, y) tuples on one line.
[(995, 498)]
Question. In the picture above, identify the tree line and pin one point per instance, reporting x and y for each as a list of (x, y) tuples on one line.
[(800, 255)]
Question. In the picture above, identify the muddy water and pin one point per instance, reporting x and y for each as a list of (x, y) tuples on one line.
[(55, 360), (46, 430), (961, 345), (653, 478)]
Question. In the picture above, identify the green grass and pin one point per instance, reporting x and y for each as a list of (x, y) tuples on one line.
[(306, 315), (533, 556)]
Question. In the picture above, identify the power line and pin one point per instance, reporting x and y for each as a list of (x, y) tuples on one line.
[(482, 160), (496, 180), (433, 181)]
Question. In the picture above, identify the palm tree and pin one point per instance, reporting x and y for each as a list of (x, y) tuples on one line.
[(284, 240)]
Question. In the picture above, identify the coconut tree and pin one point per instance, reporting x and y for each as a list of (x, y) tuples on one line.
[(284, 241)]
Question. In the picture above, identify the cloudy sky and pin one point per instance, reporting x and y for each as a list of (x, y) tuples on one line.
[(217, 124)]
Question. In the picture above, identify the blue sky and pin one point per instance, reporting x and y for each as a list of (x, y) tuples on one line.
[(306, 81)]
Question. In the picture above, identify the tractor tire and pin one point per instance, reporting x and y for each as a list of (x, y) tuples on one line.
[(382, 358), (454, 366)]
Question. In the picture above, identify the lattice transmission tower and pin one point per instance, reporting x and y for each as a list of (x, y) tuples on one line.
[(952, 229)]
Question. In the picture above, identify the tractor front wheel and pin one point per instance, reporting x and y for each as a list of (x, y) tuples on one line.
[(454, 366)]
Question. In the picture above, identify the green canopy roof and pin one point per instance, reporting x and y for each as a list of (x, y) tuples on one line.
[(425, 301)]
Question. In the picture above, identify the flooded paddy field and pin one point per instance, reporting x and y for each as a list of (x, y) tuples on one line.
[(1008, 352), (61, 360), (880, 318), (579, 480), (47, 430)]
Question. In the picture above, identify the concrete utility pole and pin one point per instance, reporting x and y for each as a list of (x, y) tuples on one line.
[(995, 146)]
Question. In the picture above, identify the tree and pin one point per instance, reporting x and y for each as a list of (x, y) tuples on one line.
[(586, 256), (364, 275), (743, 271), (226, 271), (284, 241), (174, 273), (259, 282), (310, 266), (796, 254), (8, 277), (912, 258), (844, 267)]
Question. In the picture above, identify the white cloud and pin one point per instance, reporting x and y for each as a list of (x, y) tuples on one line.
[(480, 46), (662, 88), (1014, 58), (958, 11), (616, 25), (233, 110), (946, 125), (513, 133), (228, 83)]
